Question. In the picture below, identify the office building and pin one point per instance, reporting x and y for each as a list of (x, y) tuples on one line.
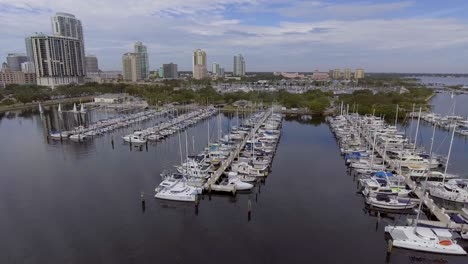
[(347, 74), (131, 63), (14, 61), (91, 64), (144, 63), (239, 65), (58, 60), (28, 67), (221, 72), (170, 71), (320, 76), (199, 64), (161, 72), (359, 74), (215, 69)]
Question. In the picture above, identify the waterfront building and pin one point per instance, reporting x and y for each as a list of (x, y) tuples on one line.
[(58, 60), (144, 63), (337, 74), (161, 72), (359, 74), (320, 76), (347, 74), (131, 64), (91, 64), (14, 61), (239, 65), (28, 67), (67, 25), (170, 71), (199, 64), (29, 50), (215, 69), (7, 76)]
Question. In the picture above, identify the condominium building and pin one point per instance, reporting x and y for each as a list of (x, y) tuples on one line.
[(359, 74), (347, 74), (239, 65), (337, 74), (14, 61), (199, 64), (170, 71), (131, 63), (91, 64), (58, 60), (215, 69), (144, 63)]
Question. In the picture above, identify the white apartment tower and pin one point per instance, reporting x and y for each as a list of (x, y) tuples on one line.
[(59, 59), (199, 64), (239, 65)]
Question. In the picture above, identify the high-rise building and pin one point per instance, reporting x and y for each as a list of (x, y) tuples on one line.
[(29, 50), (347, 74), (336, 74), (58, 60), (170, 71), (131, 63), (67, 25), (215, 69), (221, 72), (359, 73), (161, 72), (28, 67), (91, 64), (14, 61), (199, 64), (239, 65), (144, 64)]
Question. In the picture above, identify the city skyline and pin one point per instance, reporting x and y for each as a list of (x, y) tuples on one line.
[(384, 36)]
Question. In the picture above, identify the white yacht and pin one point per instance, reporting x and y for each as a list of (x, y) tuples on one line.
[(455, 190), (176, 190), (390, 202), (78, 137), (426, 239)]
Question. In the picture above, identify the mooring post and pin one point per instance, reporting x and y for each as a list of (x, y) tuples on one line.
[(143, 203), (112, 142), (249, 210)]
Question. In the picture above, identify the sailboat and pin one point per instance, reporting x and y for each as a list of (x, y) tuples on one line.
[(74, 109), (82, 109), (41, 111), (435, 240), (60, 108)]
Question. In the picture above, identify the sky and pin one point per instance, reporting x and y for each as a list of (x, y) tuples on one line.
[(428, 36)]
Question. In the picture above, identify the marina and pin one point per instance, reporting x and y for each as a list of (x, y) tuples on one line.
[(307, 219)]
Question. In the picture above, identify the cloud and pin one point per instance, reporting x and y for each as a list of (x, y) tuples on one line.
[(316, 9), (294, 35)]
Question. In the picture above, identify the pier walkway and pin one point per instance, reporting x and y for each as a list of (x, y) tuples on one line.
[(211, 184)]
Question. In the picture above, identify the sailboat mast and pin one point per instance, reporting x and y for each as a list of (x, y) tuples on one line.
[(417, 130), (396, 116), (448, 155), (180, 150)]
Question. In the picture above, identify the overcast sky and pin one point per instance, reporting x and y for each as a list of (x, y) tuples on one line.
[(273, 35)]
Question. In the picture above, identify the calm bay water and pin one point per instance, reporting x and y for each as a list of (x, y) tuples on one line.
[(80, 203)]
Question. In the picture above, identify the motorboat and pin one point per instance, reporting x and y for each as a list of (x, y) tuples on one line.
[(176, 190), (375, 186), (134, 139), (78, 137), (390, 202), (455, 190), (434, 240), (239, 185)]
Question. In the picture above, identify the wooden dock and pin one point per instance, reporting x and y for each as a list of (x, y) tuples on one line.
[(211, 183), (440, 213)]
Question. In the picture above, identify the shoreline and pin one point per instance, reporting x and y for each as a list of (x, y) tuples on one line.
[(20, 106)]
